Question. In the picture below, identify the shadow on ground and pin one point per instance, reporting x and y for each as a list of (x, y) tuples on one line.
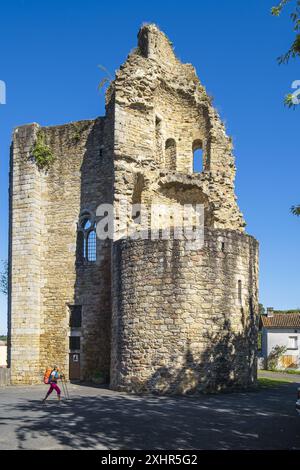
[(264, 419)]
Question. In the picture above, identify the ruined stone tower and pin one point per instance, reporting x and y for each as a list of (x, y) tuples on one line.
[(147, 315)]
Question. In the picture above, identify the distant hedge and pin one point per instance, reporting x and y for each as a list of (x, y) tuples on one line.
[(287, 311)]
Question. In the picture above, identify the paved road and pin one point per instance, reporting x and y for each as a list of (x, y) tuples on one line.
[(102, 419)]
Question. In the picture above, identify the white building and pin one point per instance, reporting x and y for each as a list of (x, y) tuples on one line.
[(3, 354), (281, 330)]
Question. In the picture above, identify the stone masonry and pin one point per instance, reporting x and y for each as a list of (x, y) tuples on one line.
[(157, 315)]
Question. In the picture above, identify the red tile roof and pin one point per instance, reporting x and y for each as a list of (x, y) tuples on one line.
[(284, 320)]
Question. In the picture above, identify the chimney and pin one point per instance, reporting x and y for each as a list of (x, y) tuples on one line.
[(270, 311)]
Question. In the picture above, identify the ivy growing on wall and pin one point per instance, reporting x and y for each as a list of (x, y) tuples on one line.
[(41, 153)]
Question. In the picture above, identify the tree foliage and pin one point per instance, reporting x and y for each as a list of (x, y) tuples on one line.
[(273, 358), (294, 50), (261, 309), (295, 210), (4, 278)]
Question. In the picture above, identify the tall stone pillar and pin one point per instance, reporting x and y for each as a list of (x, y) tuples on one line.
[(25, 255)]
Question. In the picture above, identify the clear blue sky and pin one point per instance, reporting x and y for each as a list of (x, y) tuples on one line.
[(49, 56)]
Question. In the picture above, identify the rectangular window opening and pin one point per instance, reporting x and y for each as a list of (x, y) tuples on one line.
[(240, 291), (74, 343), (293, 342), (75, 316)]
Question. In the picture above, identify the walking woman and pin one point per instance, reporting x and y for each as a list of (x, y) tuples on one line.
[(53, 378)]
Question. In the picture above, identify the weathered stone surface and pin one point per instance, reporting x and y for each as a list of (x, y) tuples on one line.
[(159, 315), (178, 325), (46, 278)]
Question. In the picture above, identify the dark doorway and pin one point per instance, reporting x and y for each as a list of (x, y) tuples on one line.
[(74, 366)]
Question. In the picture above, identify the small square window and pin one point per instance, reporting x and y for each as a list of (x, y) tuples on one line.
[(74, 343), (293, 342)]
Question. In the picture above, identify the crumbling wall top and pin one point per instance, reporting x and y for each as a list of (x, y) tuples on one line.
[(154, 44)]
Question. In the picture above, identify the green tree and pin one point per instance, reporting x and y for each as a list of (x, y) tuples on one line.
[(261, 309), (294, 50), (295, 210), (274, 357), (4, 278)]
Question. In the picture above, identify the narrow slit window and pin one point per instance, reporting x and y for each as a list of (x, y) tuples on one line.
[(240, 291), (159, 138), (197, 156), (137, 199), (170, 154)]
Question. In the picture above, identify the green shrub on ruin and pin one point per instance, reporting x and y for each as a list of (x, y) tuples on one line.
[(41, 153)]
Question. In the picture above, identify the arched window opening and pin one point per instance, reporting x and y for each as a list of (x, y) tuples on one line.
[(197, 156), (137, 198), (170, 154), (86, 238), (86, 225)]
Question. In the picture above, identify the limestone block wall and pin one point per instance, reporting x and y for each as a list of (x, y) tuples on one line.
[(184, 321), (79, 179), (25, 260), (161, 104), (47, 276)]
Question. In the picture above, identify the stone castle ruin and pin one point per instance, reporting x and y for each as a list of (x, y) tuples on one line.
[(141, 314)]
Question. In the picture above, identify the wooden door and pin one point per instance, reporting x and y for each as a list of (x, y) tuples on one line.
[(74, 366)]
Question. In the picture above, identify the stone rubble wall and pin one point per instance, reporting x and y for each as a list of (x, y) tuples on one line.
[(46, 275), (178, 325), (158, 98), (25, 260)]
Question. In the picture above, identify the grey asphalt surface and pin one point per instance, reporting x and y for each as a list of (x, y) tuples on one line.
[(98, 418)]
